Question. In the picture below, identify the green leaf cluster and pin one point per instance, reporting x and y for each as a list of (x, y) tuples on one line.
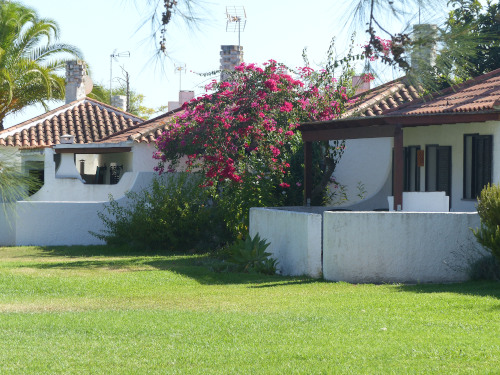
[(488, 208), (172, 214), (29, 60), (250, 255)]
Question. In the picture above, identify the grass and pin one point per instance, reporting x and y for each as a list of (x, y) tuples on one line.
[(98, 310)]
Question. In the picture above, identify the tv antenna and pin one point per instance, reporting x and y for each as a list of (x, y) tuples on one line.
[(235, 14), (178, 69), (114, 56)]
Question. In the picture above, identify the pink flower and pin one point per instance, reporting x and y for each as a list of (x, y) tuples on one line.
[(275, 151), (271, 85), (284, 185), (286, 107)]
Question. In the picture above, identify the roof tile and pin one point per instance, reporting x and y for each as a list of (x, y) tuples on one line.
[(87, 119)]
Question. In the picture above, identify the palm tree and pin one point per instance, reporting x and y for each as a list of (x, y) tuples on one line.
[(29, 61)]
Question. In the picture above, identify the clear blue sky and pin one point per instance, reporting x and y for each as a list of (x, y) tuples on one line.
[(275, 29)]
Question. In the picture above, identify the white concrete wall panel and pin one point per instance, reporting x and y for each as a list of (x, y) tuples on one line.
[(379, 247), (57, 223), (295, 239), (7, 225)]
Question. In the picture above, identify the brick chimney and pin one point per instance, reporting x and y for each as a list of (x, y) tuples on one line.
[(360, 84), (230, 56), (75, 84)]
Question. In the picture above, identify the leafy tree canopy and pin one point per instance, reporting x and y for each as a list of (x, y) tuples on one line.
[(30, 60)]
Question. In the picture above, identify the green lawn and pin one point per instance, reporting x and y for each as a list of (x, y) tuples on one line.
[(100, 311)]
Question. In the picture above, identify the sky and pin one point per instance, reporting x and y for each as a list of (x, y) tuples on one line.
[(274, 29)]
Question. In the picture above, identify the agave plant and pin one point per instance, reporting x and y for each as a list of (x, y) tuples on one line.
[(250, 255)]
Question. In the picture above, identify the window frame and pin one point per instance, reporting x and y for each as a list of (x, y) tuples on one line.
[(473, 187)]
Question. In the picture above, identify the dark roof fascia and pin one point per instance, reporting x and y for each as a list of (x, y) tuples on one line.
[(381, 126)]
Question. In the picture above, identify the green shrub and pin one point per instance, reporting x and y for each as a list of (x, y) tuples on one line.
[(172, 214), (488, 208), (485, 268), (250, 255)]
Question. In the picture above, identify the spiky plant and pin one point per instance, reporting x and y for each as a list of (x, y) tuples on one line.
[(250, 255)]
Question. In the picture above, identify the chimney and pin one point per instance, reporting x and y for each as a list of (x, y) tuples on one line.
[(423, 55), (76, 71), (361, 83), (119, 101), (184, 96), (230, 56)]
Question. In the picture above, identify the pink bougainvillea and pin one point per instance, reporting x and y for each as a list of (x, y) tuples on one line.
[(246, 125), (241, 135)]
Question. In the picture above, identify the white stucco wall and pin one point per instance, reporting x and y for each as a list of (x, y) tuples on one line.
[(360, 247), (57, 223), (295, 239), (453, 135), (7, 225), (143, 157), (368, 161), (64, 210)]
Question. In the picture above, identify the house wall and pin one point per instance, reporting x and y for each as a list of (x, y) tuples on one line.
[(453, 135), (378, 247), (369, 162), (295, 239), (143, 157), (71, 206)]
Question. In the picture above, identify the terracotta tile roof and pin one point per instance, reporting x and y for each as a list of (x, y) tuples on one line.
[(390, 95), (145, 132), (477, 95), (369, 103), (87, 119)]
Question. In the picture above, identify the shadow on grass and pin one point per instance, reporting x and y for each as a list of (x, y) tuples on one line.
[(200, 267), (94, 251), (473, 288)]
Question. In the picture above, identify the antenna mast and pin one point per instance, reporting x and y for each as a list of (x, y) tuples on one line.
[(179, 69), (114, 56), (236, 14)]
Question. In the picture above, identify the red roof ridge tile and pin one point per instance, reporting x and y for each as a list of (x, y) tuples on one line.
[(136, 135), (449, 90)]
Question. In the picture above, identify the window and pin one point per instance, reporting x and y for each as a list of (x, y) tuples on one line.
[(438, 168), (478, 160), (411, 170)]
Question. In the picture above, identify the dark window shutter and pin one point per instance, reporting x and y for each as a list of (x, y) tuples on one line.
[(444, 169), (482, 162)]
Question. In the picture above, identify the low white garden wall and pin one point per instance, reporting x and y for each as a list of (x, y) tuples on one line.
[(57, 223), (295, 239), (7, 225), (370, 247), (378, 247)]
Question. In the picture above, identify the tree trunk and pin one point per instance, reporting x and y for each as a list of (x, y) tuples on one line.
[(329, 169)]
